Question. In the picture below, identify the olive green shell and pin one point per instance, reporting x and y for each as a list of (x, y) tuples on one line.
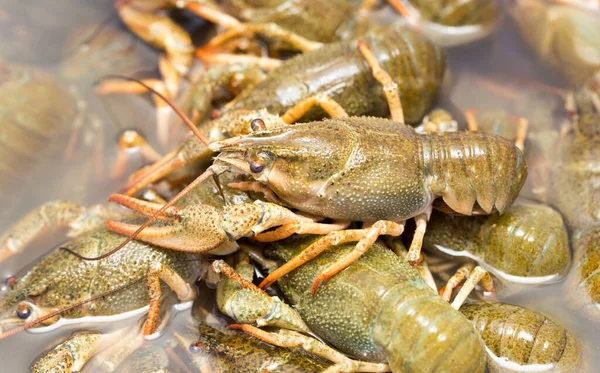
[(369, 169), (584, 280), (457, 12), (318, 20), (526, 241), (340, 71), (566, 38), (380, 309), (62, 279), (516, 335), (575, 173)]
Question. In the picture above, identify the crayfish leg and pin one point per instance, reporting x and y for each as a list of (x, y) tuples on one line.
[(329, 105), (365, 237), (473, 277), (73, 353), (300, 227), (390, 88), (211, 57), (291, 339), (368, 238), (159, 271), (414, 252), (48, 216)]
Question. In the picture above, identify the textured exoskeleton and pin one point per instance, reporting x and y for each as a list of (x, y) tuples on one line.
[(364, 169), (527, 244), (522, 340), (370, 310), (367, 169), (62, 279), (584, 280), (339, 72)]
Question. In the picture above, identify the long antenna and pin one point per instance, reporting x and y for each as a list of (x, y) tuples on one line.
[(179, 195), (58, 312), (183, 117), (174, 200)]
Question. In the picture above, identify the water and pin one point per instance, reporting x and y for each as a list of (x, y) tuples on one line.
[(490, 75)]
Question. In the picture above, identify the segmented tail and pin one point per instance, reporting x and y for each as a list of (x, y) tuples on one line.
[(469, 167)]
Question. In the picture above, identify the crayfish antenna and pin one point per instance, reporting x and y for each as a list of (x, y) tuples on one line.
[(154, 217), (183, 117), (179, 195)]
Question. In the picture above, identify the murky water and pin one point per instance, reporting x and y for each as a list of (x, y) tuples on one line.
[(488, 76)]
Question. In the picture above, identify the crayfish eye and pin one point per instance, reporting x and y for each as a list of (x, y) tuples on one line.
[(257, 124), (23, 312), (8, 283), (197, 347), (257, 166)]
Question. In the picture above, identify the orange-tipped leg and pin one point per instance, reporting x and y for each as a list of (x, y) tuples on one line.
[(213, 57), (159, 271), (290, 339), (365, 238), (129, 141), (381, 227), (155, 172), (414, 256), (329, 105), (300, 227), (475, 276), (390, 88), (461, 274)]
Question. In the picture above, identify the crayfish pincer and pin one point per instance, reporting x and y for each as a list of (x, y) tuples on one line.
[(373, 170)]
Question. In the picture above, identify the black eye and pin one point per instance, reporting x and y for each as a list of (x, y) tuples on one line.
[(23, 312), (9, 282), (257, 166), (257, 124), (197, 347)]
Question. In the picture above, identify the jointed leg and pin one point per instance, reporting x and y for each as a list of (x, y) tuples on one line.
[(184, 291), (131, 139), (289, 339), (210, 57), (301, 227), (72, 353), (328, 104), (50, 215), (381, 227), (390, 88), (365, 238), (233, 295), (473, 277), (461, 274), (472, 124), (423, 268), (414, 252), (271, 30)]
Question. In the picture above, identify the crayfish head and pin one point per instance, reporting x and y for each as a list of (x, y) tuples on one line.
[(295, 162)]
